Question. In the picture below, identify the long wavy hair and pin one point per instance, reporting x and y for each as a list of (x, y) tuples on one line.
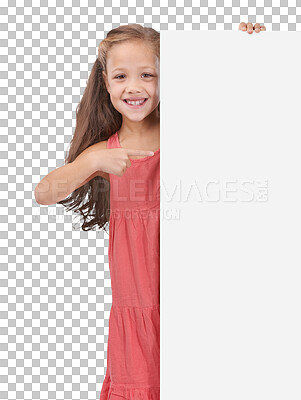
[(96, 121)]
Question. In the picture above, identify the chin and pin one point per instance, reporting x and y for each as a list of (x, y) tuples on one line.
[(137, 119)]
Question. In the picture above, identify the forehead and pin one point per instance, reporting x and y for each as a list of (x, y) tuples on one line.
[(132, 54)]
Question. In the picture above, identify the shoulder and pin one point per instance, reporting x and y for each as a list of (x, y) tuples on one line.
[(103, 144), (100, 145)]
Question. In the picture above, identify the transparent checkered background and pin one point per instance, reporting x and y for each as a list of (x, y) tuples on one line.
[(55, 280)]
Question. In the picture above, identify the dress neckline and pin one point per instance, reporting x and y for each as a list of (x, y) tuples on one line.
[(138, 159)]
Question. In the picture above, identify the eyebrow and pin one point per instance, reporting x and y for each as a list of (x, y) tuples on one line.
[(120, 68)]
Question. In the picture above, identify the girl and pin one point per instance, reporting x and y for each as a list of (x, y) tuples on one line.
[(116, 120), (117, 141)]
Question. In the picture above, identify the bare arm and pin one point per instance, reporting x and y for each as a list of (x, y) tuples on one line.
[(59, 183)]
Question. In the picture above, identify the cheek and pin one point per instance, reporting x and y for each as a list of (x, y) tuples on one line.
[(114, 89), (155, 90)]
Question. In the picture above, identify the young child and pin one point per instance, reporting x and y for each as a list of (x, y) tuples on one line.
[(117, 119), (117, 140)]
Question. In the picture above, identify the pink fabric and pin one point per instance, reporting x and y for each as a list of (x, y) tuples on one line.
[(133, 352)]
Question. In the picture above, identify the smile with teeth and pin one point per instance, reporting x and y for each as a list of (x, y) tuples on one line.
[(135, 103)]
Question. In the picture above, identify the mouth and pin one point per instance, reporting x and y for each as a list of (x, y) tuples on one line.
[(137, 104)]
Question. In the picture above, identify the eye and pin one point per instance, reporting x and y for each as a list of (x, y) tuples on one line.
[(118, 76)]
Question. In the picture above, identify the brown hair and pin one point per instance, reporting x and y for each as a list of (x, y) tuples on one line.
[(96, 121)]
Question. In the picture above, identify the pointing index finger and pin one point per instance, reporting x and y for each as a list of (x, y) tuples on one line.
[(134, 152)]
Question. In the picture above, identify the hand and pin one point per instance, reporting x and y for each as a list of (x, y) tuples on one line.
[(249, 27), (115, 161)]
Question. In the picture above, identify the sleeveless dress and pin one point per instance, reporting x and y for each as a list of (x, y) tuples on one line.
[(133, 350)]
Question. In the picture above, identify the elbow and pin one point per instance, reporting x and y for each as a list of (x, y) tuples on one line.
[(40, 199), (43, 198)]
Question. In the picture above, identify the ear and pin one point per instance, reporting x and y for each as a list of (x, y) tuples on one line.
[(106, 80)]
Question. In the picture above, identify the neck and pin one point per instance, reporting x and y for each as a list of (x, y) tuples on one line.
[(149, 124)]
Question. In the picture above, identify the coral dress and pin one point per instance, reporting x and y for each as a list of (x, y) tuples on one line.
[(133, 351)]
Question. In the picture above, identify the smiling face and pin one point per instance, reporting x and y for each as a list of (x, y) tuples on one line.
[(133, 72)]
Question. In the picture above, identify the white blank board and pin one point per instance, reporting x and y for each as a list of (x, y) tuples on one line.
[(230, 235)]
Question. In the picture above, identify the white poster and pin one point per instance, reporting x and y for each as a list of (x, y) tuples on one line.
[(230, 235)]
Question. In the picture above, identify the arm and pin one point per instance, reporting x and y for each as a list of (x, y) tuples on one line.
[(59, 183)]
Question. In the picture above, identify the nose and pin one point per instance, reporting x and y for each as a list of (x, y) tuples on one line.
[(133, 86), (132, 89)]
